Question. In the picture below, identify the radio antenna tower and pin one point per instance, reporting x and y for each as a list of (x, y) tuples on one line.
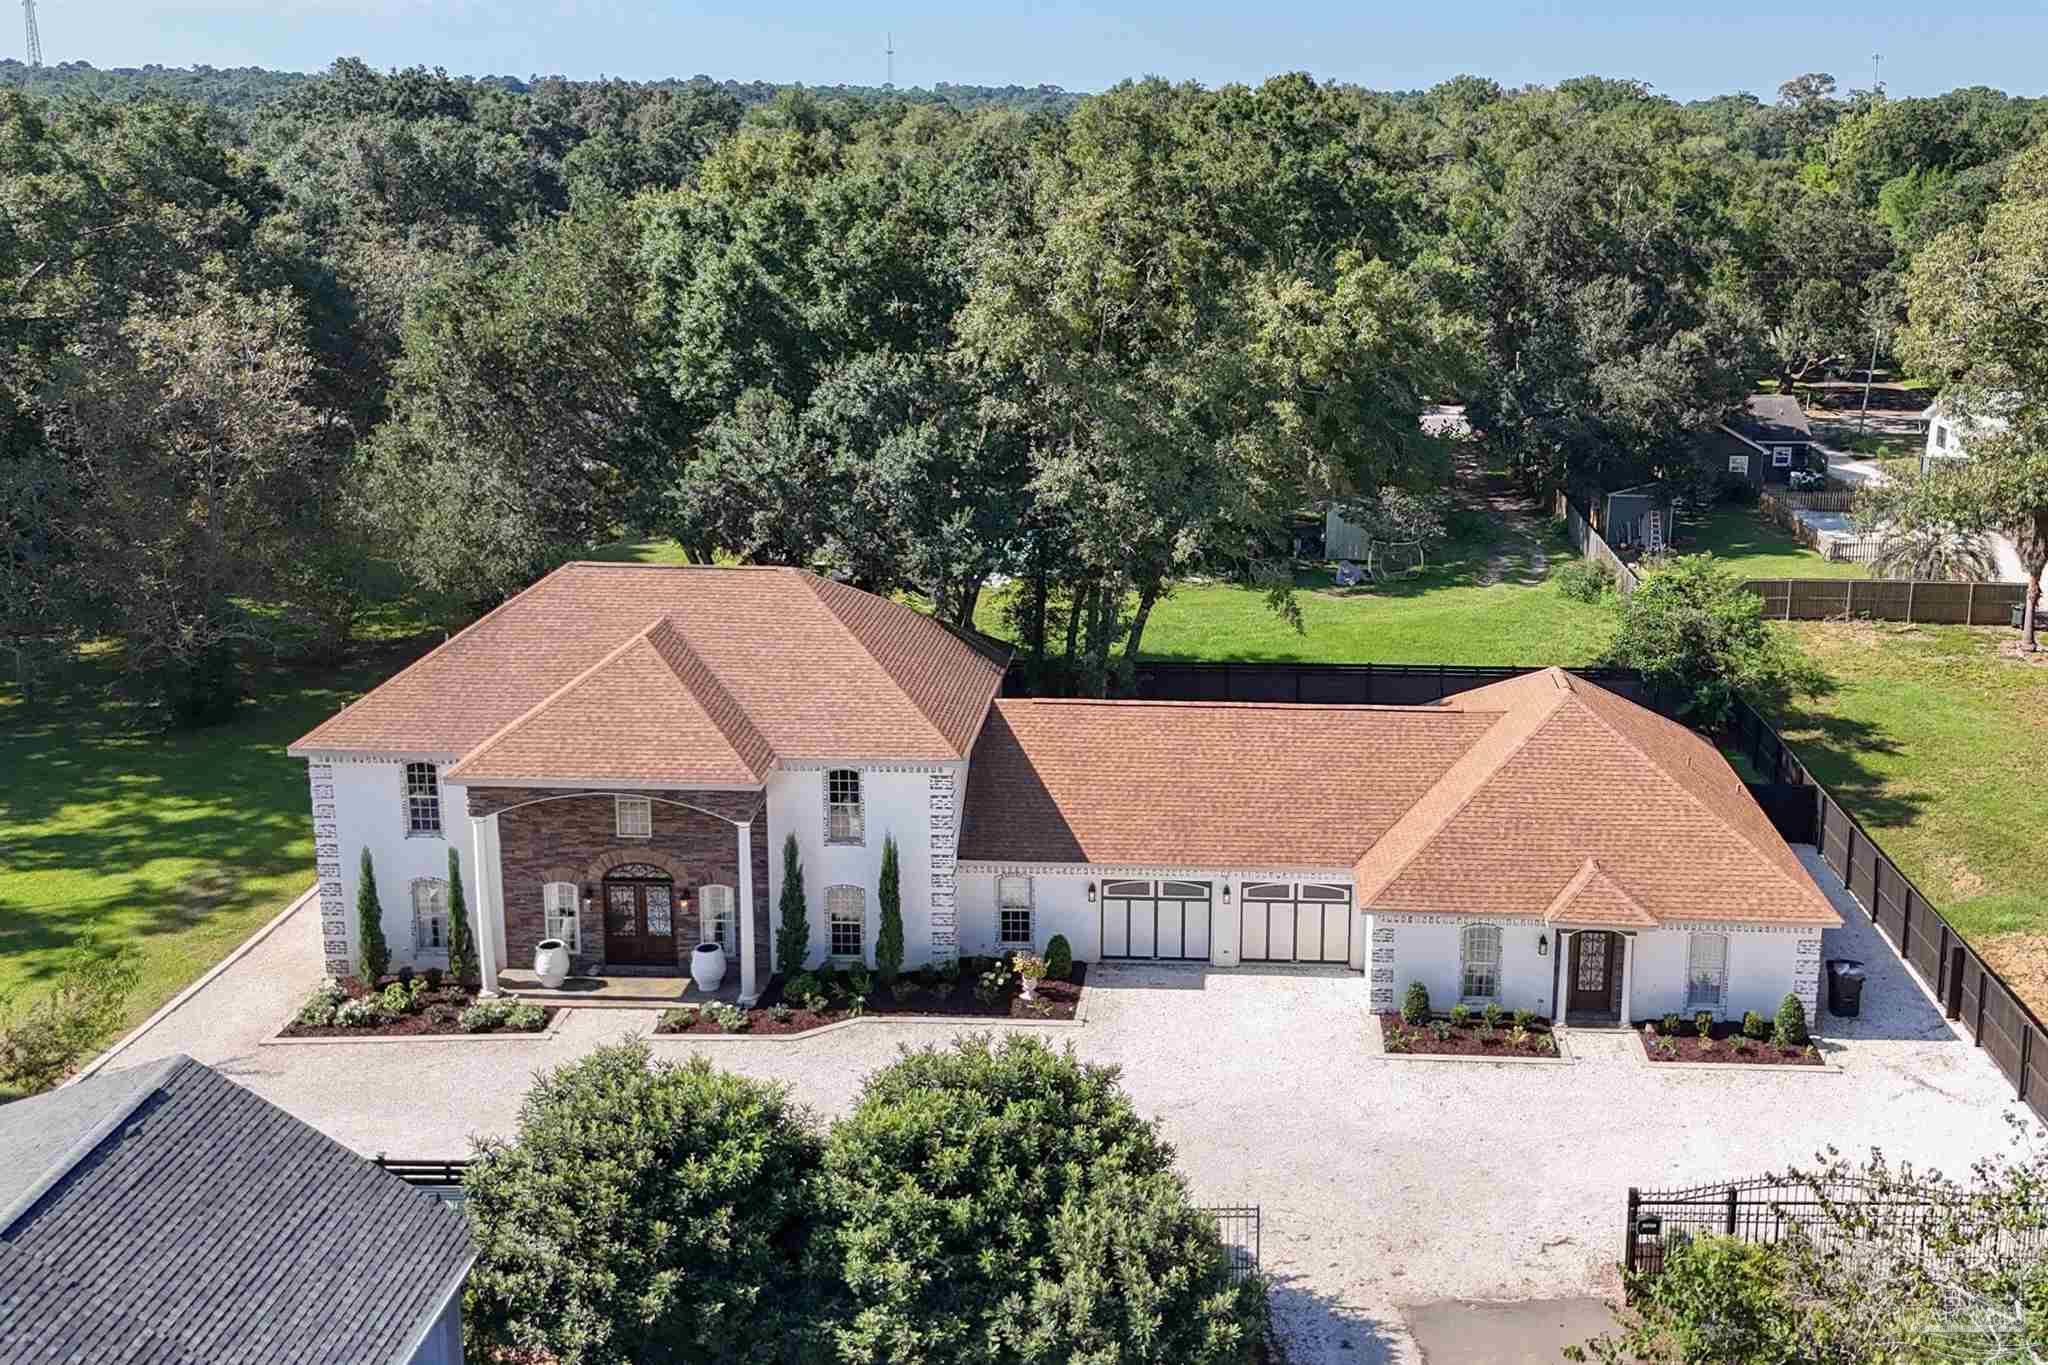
[(35, 39), (888, 50)]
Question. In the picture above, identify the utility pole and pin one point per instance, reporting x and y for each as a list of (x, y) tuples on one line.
[(35, 39), (1876, 327)]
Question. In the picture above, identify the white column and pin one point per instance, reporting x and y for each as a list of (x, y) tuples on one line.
[(483, 843), (1560, 976), (1628, 974), (750, 986)]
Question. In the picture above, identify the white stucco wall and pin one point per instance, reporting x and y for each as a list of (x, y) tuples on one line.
[(897, 801), (1764, 966), (1425, 948), (370, 812)]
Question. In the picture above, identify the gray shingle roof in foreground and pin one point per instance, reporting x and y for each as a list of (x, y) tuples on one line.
[(167, 1216)]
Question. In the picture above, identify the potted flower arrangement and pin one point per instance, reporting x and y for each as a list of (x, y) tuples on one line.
[(707, 966), (551, 962), (1030, 971)]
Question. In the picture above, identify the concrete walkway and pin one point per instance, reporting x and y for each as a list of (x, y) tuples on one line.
[(1383, 1182)]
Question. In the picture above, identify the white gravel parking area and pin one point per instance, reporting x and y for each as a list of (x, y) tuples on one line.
[(1381, 1184)]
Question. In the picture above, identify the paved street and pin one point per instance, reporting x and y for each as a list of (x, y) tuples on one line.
[(1384, 1183)]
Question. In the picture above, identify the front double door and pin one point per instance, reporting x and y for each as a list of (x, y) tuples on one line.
[(639, 919)]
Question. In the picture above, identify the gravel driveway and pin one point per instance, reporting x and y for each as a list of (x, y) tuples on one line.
[(1383, 1182)]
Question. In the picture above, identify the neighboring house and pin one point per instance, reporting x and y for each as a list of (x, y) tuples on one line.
[(166, 1215), (1766, 443), (622, 750), (1948, 435)]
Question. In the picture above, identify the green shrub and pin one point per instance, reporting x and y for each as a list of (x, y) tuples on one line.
[(365, 1011), (487, 1016), (42, 1040), (889, 897), (318, 1011), (948, 970), (373, 955), (1493, 1014), (1790, 1030), (1524, 1018), (1440, 1030), (434, 976), (1703, 1023), (525, 1018), (400, 997), (781, 1014), (1754, 1026), (997, 1202), (645, 1211), (1415, 1004), (804, 991), (1460, 1016), (1059, 957), (461, 943), (990, 985), (677, 1019), (729, 1018), (859, 984), (793, 934), (1669, 1026), (1584, 580)]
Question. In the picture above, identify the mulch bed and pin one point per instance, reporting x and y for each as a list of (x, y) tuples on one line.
[(1727, 1045), (1056, 1000), (1466, 1040), (440, 1012)]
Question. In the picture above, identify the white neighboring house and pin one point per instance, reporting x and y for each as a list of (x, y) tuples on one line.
[(1948, 435), (619, 753)]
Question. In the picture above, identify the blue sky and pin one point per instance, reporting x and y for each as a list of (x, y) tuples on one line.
[(1685, 51)]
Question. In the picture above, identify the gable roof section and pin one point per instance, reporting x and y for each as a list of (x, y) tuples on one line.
[(196, 1222), (1589, 775), (781, 664), (1543, 796), (1200, 783), (648, 713), (1768, 418)]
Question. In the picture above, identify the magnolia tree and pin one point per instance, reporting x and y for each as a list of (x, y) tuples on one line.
[(1978, 318)]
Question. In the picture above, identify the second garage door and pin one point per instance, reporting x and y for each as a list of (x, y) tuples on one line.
[(1295, 922)]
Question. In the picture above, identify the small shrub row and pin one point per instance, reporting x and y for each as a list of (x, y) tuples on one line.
[(502, 1016)]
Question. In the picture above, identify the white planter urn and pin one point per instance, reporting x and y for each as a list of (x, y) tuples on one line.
[(551, 962), (707, 966), (1029, 989)]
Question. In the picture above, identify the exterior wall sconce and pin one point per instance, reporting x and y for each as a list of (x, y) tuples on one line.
[(1091, 893), (1543, 945), (1226, 893), (589, 898)]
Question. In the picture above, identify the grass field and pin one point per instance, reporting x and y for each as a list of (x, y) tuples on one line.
[(1756, 549), (180, 843), (1937, 743)]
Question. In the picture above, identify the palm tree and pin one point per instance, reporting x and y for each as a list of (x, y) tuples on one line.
[(1932, 550)]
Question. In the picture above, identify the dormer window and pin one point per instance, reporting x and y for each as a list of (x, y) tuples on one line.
[(845, 822)]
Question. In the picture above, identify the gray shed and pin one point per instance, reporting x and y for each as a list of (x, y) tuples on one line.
[(164, 1215), (1639, 516)]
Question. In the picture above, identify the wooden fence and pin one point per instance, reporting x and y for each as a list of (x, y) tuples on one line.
[(1593, 546), (1967, 987), (1820, 500), (1888, 599), (1344, 684)]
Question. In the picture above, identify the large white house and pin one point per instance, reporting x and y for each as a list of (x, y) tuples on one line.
[(617, 755)]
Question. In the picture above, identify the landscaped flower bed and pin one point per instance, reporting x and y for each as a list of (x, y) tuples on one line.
[(978, 987), (409, 1006), (1494, 1033), (1755, 1041)]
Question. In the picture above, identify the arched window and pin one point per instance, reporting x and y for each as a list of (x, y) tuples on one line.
[(846, 914), (844, 820), (719, 925), (1706, 971), (1479, 962), (429, 915)]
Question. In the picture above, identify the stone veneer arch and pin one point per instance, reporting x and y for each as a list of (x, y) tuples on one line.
[(619, 857)]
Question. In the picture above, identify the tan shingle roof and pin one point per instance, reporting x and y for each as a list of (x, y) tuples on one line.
[(752, 664), (1542, 795), (1200, 783)]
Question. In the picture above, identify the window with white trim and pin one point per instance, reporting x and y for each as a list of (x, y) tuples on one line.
[(1479, 962), (558, 914), (633, 817), (846, 915), (1706, 971), (845, 822), (1781, 456), (1739, 464), (1940, 436), (720, 926), (423, 800), (430, 915), (1014, 925)]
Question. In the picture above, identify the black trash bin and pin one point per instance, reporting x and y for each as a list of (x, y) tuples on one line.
[(1845, 987)]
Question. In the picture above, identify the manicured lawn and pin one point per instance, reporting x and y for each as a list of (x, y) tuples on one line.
[(656, 551), (1937, 743), (1754, 548), (180, 843)]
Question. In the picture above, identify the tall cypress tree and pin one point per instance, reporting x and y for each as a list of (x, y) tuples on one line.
[(372, 952), (889, 941), (793, 936), (461, 943)]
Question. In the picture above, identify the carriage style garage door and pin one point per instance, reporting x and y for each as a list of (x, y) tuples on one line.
[(1167, 920), (1295, 922)]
